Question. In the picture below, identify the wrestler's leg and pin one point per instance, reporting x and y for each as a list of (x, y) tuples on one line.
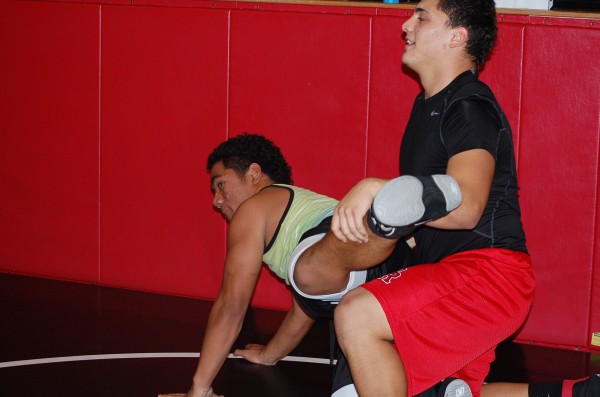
[(586, 387), (365, 338), (325, 267), (401, 205), (343, 385), (505, 389), (451, 387)]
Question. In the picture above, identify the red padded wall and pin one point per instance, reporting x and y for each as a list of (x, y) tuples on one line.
[(559, 175), (49, 139), (293, 79), (594, 330), (391, 95), (164, 107)]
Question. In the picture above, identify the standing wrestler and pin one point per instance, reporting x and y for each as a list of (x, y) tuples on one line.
[(475, 288), (405, 332)]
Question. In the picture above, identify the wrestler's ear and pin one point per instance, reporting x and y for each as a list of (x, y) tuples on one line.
[(255, 172), (460, 36)]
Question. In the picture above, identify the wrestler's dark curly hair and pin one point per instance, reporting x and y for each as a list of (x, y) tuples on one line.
[(239, 152), (479, 18)]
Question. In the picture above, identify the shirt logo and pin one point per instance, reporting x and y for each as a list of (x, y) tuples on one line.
[(434, 113)]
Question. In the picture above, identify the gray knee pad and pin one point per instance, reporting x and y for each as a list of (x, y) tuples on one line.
[(407, 202)]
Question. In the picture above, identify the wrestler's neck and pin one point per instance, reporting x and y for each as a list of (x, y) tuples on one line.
[(435, 79), (264, 182)]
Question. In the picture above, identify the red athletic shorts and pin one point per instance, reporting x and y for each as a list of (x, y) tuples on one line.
[(447, 318)]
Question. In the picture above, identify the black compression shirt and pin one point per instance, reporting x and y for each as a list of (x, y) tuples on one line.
[(464, 116)]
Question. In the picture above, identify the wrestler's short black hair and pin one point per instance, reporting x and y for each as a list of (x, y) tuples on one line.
[(479, 18), (239, 152)]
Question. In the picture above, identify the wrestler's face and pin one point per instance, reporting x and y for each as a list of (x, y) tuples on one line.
[(427, 36), (230, 190)]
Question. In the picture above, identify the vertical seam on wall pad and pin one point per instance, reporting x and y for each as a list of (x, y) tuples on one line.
[(99, 237), (522, 67), (594, 291), (368, 96), (228, 78)]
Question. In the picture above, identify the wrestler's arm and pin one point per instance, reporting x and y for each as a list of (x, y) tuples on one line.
[(474, 171), (245, 241), (290, 333)]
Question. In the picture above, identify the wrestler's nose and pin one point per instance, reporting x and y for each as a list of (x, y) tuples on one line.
[(217, 200)]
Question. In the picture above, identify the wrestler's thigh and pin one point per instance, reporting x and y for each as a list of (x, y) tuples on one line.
[(350, 255)]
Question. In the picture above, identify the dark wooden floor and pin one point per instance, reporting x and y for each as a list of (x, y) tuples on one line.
[(160, 336)]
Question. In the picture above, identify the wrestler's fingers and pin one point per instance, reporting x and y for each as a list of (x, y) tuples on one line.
[(359, 226), (348, 227), (336, 227), (354, 230)]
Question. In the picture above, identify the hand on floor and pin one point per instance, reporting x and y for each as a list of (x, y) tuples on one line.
[(254, 353), (204, 393)]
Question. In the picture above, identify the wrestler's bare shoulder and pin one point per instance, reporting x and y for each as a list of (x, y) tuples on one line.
[(267, 205)]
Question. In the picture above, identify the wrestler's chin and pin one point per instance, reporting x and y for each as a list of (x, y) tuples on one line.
[(226, 215), (406, 62)]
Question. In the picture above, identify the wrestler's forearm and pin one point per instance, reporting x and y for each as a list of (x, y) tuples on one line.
[(290, 333), (473, 170), (224, 325)]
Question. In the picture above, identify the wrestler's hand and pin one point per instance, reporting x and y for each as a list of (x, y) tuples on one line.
[(254, 353), (194, 392), (347, 222), (173, 395)]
